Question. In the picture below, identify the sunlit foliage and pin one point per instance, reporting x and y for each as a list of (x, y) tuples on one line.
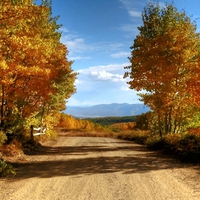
[(35, 76), (165, 66), (70, 123)]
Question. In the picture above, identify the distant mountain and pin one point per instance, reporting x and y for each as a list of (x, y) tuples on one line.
[(107, 110)]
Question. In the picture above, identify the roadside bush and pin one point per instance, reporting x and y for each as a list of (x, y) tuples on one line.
[(3, 137), (50, 134), (6, 169), (155, 142), (137, 136), (187, 146), (141, 136), (190, 148), (173, 142)]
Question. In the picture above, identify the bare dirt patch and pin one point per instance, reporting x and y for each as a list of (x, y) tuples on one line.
[(84, 168)]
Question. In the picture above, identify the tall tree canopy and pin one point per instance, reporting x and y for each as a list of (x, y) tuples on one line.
[(35, 76), (163, 62)]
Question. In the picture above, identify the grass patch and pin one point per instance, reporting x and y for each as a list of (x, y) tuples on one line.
[(136, 136), (184, 146), (84, 133)]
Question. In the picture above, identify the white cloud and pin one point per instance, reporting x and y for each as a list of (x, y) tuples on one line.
[(120, 54), (125, 88), (114, 46), (101, 78), (131, 6), (108, 68), (73, 102), (103, 96), (75, 44), (82, 103), (130, 29), (63, 30), (79, 48), (78, 82), (79, 57), (86, 102), (102, 84), (106, 76), (134, 13)]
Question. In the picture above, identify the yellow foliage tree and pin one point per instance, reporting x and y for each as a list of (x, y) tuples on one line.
[(35, 75), (69, 122), (164, 57)]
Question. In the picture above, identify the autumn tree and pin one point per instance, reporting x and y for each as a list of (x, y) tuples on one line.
[(163, 60), (69, 122), (35, 76)]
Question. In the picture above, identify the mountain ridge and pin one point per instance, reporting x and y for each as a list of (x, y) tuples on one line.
[(107, 110)]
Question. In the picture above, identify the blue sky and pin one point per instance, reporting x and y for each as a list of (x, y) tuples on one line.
[(98, 35)]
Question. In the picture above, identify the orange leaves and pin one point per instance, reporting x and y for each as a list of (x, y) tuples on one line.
[(34, 70), (164, 64), (164, 55)]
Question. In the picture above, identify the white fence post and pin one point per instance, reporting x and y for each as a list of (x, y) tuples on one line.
[(39, 131)]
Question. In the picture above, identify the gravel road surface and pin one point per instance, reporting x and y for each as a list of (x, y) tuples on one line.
[(89, 168)]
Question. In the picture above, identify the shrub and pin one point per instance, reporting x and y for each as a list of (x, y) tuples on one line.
[(190, 148), (3, 137), (141, 136), (137, 136), (155, 142), (187, 146), (6, 169), (173, 142)]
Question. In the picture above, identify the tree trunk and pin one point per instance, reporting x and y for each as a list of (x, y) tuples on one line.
[(159, 125)]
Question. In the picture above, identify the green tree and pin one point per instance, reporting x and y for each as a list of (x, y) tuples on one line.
[(164, 56)]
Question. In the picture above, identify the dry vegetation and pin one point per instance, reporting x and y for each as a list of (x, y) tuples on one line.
[(186, 146)]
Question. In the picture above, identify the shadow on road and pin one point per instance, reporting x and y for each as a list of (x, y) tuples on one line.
[(122, 158)]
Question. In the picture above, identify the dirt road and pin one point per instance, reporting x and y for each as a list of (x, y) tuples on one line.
[(86, 168)]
